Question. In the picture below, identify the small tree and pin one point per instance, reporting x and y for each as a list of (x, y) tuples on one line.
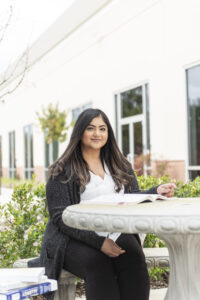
[(53, 123)]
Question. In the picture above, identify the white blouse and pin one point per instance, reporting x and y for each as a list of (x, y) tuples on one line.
[(98, 186)]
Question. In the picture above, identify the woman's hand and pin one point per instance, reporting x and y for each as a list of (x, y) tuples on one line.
[(166, 189), (111, 249)]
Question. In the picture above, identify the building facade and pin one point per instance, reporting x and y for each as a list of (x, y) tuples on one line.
[(138, 61)]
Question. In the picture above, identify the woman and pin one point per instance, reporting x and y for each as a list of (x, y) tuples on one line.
[(113, 267)]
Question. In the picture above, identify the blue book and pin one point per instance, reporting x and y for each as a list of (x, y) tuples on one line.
[(26, 292)]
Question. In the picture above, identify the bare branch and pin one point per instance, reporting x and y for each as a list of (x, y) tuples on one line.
[(4, 28), (12, 75)]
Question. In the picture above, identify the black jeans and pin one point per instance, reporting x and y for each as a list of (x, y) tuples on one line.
[(122, 278)]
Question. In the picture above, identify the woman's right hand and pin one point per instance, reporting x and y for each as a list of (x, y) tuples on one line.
[(111, 249)]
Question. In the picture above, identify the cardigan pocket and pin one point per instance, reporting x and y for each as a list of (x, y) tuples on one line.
[(49, 265)]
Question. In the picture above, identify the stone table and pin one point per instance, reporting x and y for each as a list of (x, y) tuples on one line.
[(176, 221)]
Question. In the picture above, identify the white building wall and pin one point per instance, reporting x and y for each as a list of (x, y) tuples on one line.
[(126, 44)]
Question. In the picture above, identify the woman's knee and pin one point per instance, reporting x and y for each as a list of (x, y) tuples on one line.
[(130, 244)]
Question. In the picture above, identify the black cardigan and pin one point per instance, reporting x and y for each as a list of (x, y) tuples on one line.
[(60, 195)]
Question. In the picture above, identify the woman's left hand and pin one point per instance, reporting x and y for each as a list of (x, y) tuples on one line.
[(166, 189)]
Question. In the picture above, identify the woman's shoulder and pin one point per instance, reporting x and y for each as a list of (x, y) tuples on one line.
[(62, 176)]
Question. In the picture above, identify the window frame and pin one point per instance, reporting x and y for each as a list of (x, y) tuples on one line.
[(51, 157), (189, 167), (119, 121), (12, 154), (30, 161)]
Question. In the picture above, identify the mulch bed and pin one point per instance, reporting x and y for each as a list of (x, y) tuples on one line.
[(155, 284), (80, 288)]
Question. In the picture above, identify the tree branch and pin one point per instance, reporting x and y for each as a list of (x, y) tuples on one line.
[(4, 28), (12, 74)]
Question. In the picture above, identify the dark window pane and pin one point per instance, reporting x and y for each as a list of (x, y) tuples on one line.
[(47, 162), (194, 174), (31, 174), (138, 148), (147, 117), (10, 154), (125, 139), (55, 150), (12, 159), (193, 89), (26, 174), (28, 151), (31, 146), (131, 102), (26, 146)]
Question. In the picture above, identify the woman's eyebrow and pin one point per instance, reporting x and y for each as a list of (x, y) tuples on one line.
[(95, 126)]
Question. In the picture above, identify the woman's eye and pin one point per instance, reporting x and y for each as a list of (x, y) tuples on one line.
[(89, 128), (103, 129)]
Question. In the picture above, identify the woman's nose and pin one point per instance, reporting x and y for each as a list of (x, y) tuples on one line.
[(97, 132)]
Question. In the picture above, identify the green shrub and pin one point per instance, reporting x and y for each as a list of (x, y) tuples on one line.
[(158, 273), (190, 189), (24, 218), (146, 182), (23, 221)]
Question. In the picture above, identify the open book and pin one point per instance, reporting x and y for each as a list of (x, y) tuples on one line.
[(124, 198)]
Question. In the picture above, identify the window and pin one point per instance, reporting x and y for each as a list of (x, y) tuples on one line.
[(193, 103), (133, 127), (12, 157), (76, 111), (51, 154), (28, 151)]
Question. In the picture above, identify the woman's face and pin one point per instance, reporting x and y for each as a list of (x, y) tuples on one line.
[(95, 135)]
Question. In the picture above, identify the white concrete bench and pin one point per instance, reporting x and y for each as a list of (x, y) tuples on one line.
[(155, 257)]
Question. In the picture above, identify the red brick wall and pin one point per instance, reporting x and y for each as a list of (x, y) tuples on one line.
[(39, 173), (5, 172), (175, 169)]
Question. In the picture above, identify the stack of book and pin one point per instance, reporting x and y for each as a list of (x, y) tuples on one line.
[(22, 283)]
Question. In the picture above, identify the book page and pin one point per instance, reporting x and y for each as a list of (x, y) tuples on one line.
[(124, 198), (12, 284), (22, 274)]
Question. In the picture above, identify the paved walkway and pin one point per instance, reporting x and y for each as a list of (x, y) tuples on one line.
[(154, 295)]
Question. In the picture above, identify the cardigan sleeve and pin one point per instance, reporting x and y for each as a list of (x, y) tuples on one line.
[(58, 199), (135, 186)]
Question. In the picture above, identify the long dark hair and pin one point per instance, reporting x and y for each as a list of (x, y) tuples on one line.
[(72, 157)]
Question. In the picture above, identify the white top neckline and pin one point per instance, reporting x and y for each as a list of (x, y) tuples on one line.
[(106, 172)]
